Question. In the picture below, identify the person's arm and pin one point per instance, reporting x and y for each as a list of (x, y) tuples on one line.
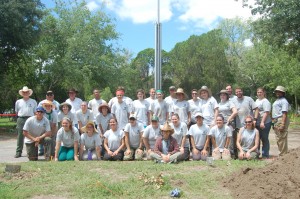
[(256, 113), (176, 147), (213, 141), (81, 149), (194, 150), (120, 147), (189, 118), (284, 119), (238, 141), (80, 126), (53, 129), (256, 142), (75, 150), (146, 143), (216, 113), (233, 115), (127, 143), (204, 151), (227, 142), (57, 147), (98, 150)]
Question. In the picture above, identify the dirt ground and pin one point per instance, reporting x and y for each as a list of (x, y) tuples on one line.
[(279, 179)]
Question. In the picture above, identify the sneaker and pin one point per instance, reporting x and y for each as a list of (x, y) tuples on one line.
[(18, 155)]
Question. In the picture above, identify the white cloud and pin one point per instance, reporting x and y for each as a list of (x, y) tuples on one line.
[(140, 11), (202, 14), (92, 5)]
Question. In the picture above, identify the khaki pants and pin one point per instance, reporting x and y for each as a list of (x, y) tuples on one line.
[(32, 150), (281, 136), (173, 158), (133, 155), (225, 155)]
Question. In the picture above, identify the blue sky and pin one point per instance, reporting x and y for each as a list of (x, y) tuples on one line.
[(135, 19)]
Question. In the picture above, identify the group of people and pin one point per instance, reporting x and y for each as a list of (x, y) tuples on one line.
[(166, 130)]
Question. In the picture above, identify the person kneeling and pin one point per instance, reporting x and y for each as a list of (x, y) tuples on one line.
[(90, 143), (248, 140), (166, 148)]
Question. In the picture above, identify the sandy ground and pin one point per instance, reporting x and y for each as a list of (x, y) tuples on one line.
[(8, 143)]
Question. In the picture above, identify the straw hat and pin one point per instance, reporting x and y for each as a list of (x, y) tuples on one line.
[(25, 89), (223, 92), (65, 103), (181, 91), (167, 127), (48, 102), (280, 89), (205, 88), (104, 104), (84, 129)]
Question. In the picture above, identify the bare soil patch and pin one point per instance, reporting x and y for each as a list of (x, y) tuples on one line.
[(279, 179)]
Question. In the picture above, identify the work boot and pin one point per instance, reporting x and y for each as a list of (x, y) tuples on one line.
[(18, 154)]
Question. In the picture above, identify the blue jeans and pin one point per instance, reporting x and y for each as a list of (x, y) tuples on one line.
[(264, 137)]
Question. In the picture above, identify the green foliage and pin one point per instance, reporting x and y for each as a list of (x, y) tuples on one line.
[(106, 94)]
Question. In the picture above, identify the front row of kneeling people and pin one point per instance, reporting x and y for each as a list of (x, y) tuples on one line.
[(163, 143)]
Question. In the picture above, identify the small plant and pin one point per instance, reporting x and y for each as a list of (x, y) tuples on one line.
[(158, 181)]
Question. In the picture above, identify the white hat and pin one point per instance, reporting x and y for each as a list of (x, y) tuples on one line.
[(280, 88), (132, 116), (25, 89), (198, 114)]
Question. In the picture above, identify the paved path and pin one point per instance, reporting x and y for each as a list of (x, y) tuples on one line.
[(8, 146)]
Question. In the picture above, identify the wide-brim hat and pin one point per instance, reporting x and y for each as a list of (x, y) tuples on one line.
[(181, 91), (167, 127), (48, 102), (104, 104), (280, 89), (72, 90), (25, 89), (84, 129), (223, 92), (204, 88), (65, 103)]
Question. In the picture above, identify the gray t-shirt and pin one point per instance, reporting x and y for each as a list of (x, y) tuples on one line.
[(279, 106), (36, 127), (84, 117), (90, 142), (179, 133), (245, 107), (141, 109), (70, 115), (220, 135), (160, 109), (25, 107), (121, 111), (263, 106), (52, 117), (68, 138), (103, 120), (135, 133), (151, 134), (114, 139), (199, 134), (208, 110), (182, 109), (194, 108), (247, 139), (225, 109)]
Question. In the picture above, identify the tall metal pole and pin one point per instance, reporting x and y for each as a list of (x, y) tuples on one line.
[(157, 75)]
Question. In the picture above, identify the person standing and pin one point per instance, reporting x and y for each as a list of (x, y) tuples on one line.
[(280, 119), (245, 106), (182, 107), (194, 104), (140, 108), (229, 91), (75, 102), (263, 123), (24, 108), (83, 115), (50, 97), (95, 103), (151, 98), (171, 99), (159, 108), (37, 131), (120, 110), (126, 99)]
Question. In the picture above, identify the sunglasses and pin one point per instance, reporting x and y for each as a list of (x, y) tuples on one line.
[(49, 94), (248, 122), (40, 112)]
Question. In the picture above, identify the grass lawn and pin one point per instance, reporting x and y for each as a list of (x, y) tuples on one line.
[(7, 125), (102, 179)]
